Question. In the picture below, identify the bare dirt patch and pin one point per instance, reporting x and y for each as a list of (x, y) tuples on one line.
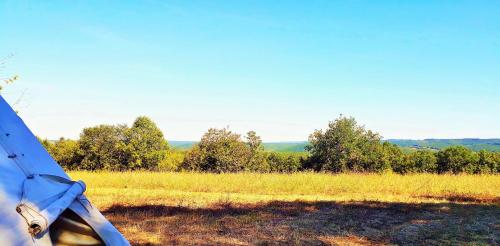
[(310, 223)]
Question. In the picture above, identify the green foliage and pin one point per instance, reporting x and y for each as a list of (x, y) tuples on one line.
[(416, 162), (423, 161), (45, 143), (407, 145), (119, 147), (257, 161), (104, 147), (496, 159), (221, 150), (489, 162), (283, 162), (66, 152), (392, 157), (345, 146), (457, 159), (172, 161), (146, 146)]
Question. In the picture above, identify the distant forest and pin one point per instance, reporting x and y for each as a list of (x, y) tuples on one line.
[(408, 144)]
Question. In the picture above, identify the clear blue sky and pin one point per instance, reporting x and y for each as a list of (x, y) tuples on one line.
[(406, 69)]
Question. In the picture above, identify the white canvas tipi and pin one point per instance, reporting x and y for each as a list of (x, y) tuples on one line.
[(39, 204)]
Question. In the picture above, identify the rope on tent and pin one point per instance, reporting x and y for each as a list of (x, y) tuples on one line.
[(39, 220)]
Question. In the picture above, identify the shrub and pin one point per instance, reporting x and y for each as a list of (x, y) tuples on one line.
[(119, 147), (103, 147), (457, 159), (172, 161), (66, 152), (258, 159), (386, 157), (219, 150), (489, 162), (496, 166), (345, 146), (284, 162), (422, 161)]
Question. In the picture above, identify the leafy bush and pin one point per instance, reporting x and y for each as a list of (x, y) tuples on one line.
[(258, 159), (172, 161), (285, 162), (221, 150), (489, 162), (66, 152), (457, 159), (391, 156), (103, 147), (117, 147), (346, 146), (423, 161), (218, 151)]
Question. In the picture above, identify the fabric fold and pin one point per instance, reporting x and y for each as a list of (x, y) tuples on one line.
[(39, 221)]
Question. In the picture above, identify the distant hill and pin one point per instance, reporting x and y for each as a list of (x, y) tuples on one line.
[(286, 146), (271, 146), (433, 144), (437, 144), (181, 145)]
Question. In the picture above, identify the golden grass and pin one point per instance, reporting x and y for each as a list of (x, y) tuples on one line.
[(202, 189), (165, 208)]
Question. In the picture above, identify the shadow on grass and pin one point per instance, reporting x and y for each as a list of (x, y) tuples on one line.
[(464, 199), (310, 223)]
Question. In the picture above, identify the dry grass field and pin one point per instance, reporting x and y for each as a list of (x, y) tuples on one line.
[(155, 208)]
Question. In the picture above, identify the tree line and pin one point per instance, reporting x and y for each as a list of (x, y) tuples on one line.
[(345, 146)]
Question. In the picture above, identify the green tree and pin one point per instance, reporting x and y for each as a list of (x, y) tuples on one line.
[(45, 143), (194, 160), (457, 159), (104, 147), (284, 162), (496, 159), (423, 161), (145, 145), (257, 161), (219, 150), (173, 161), (391, 157), (488, 162), (346, 146), (66, 152)]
